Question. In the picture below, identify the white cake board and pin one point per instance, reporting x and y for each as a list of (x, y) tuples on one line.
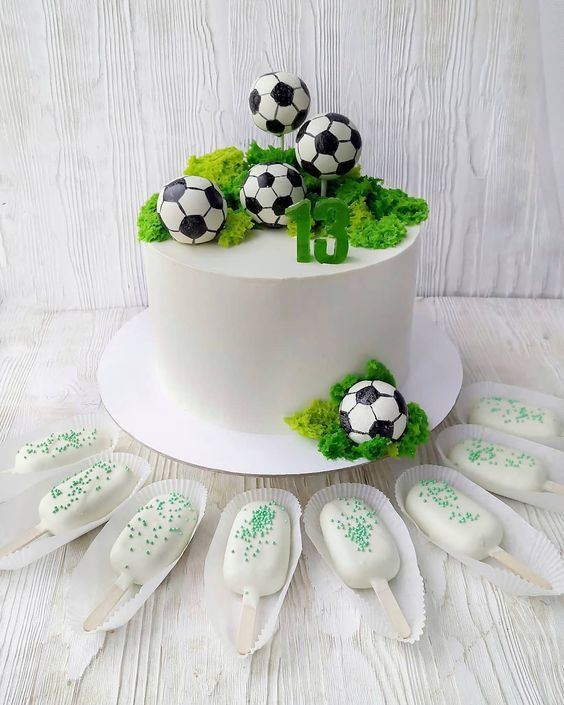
[(133, 397)]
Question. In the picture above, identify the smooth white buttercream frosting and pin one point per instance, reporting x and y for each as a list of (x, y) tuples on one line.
[(247, 335)]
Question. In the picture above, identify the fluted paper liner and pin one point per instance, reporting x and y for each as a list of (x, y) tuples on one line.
[(224, 606), (552, 460), (21, 513), (472, 394), (407, 586), (12, 484), (94, 576), (520, 539)]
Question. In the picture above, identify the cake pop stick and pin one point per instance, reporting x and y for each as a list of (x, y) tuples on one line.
[(501, 469), (516, 417), (78, 500), (59, 449), (462, 526), (256, 560), (153, 539), (363, 553)]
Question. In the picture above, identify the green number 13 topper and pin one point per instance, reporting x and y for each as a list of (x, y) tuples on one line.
[(335, 215)]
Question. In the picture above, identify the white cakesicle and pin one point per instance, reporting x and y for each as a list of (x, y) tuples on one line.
[(84, 497), (256, 559), (500, 469), (153, 539), (516, 417), (461, 525), (62, 448), (363, 552)]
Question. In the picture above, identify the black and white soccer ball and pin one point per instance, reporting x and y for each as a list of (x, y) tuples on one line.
[(279, 102), (328, 146), (192, 209), (268, 190), (372, 409)]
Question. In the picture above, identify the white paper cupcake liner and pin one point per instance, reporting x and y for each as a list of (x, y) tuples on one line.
[(472, 394), (12, 484), (520, 539), (407, 586), (224, 606), (94, 576), (551, 459), (21, 513)]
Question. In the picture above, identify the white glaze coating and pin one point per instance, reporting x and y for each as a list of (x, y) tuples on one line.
[(452, 519), (256, 324), (257, 553), (86, 496), (360, 546), (498, 468), (516, 417), (61, 448), (154, 537)]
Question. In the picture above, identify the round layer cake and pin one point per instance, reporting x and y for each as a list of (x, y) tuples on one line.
[(247, 335)]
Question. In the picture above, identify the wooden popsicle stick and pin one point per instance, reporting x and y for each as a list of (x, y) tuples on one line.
[(391, 607), (246, 633), (23, 539), (99, 613), (555, 487), (519, 568)]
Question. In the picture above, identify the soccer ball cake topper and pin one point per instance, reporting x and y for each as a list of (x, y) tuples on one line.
[(373, 408), (192, 209), (268, 190), (328, 146), (279, 102)]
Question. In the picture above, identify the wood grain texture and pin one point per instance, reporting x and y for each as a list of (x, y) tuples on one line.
[(480, 645), (100, 104)]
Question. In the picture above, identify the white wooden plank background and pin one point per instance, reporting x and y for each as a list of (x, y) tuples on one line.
[(480, 646), (100, 102)]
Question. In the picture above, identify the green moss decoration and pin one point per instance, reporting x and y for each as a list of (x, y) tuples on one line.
[(261, 155), (231, 188), (338, 390), (377, 370), (389, 231), (416, 432), (336, 444), (238, 225), (393, 201), (412, 210), (221, 166), (150, 227), (315, 420), (378, 216), (320, 421)]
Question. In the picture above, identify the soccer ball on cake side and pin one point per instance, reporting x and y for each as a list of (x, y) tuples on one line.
[(279, 102), (192, 209), (268, 190), (373, 408), (328, 146)]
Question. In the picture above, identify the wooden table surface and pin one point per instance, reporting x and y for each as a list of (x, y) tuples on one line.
[(479, 645)]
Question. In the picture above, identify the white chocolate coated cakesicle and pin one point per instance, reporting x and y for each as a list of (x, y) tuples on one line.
[(500, 469), (153, 539), (86, 496), (58, 449), (516, 417), (363, 552), (462, 526), (256, 559)]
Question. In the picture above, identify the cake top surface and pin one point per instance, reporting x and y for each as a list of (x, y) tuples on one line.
[(270, 254)]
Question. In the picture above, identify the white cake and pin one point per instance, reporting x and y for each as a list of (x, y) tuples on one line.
[(247, 335)]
